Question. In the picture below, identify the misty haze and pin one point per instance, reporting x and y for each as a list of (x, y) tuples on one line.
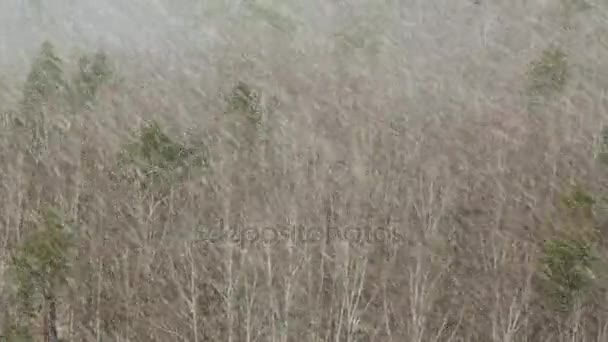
[(265, 170)]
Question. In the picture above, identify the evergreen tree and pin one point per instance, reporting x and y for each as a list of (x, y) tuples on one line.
[(44, 89), (44, 80), (156, 160), (93, 71), (39, 270)]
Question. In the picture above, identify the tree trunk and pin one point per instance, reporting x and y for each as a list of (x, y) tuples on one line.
[(50, 320)]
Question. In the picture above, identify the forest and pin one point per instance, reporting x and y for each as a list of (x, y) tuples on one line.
[(304, 171)]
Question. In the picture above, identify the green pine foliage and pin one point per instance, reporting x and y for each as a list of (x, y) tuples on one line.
[(603, 151), (247, 118), (39, 269), (579, 201), (567, 271), (156, 159), (45, 79), (45, 85), (569, 266), (548, 74), (93, 71), (246, 101)]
